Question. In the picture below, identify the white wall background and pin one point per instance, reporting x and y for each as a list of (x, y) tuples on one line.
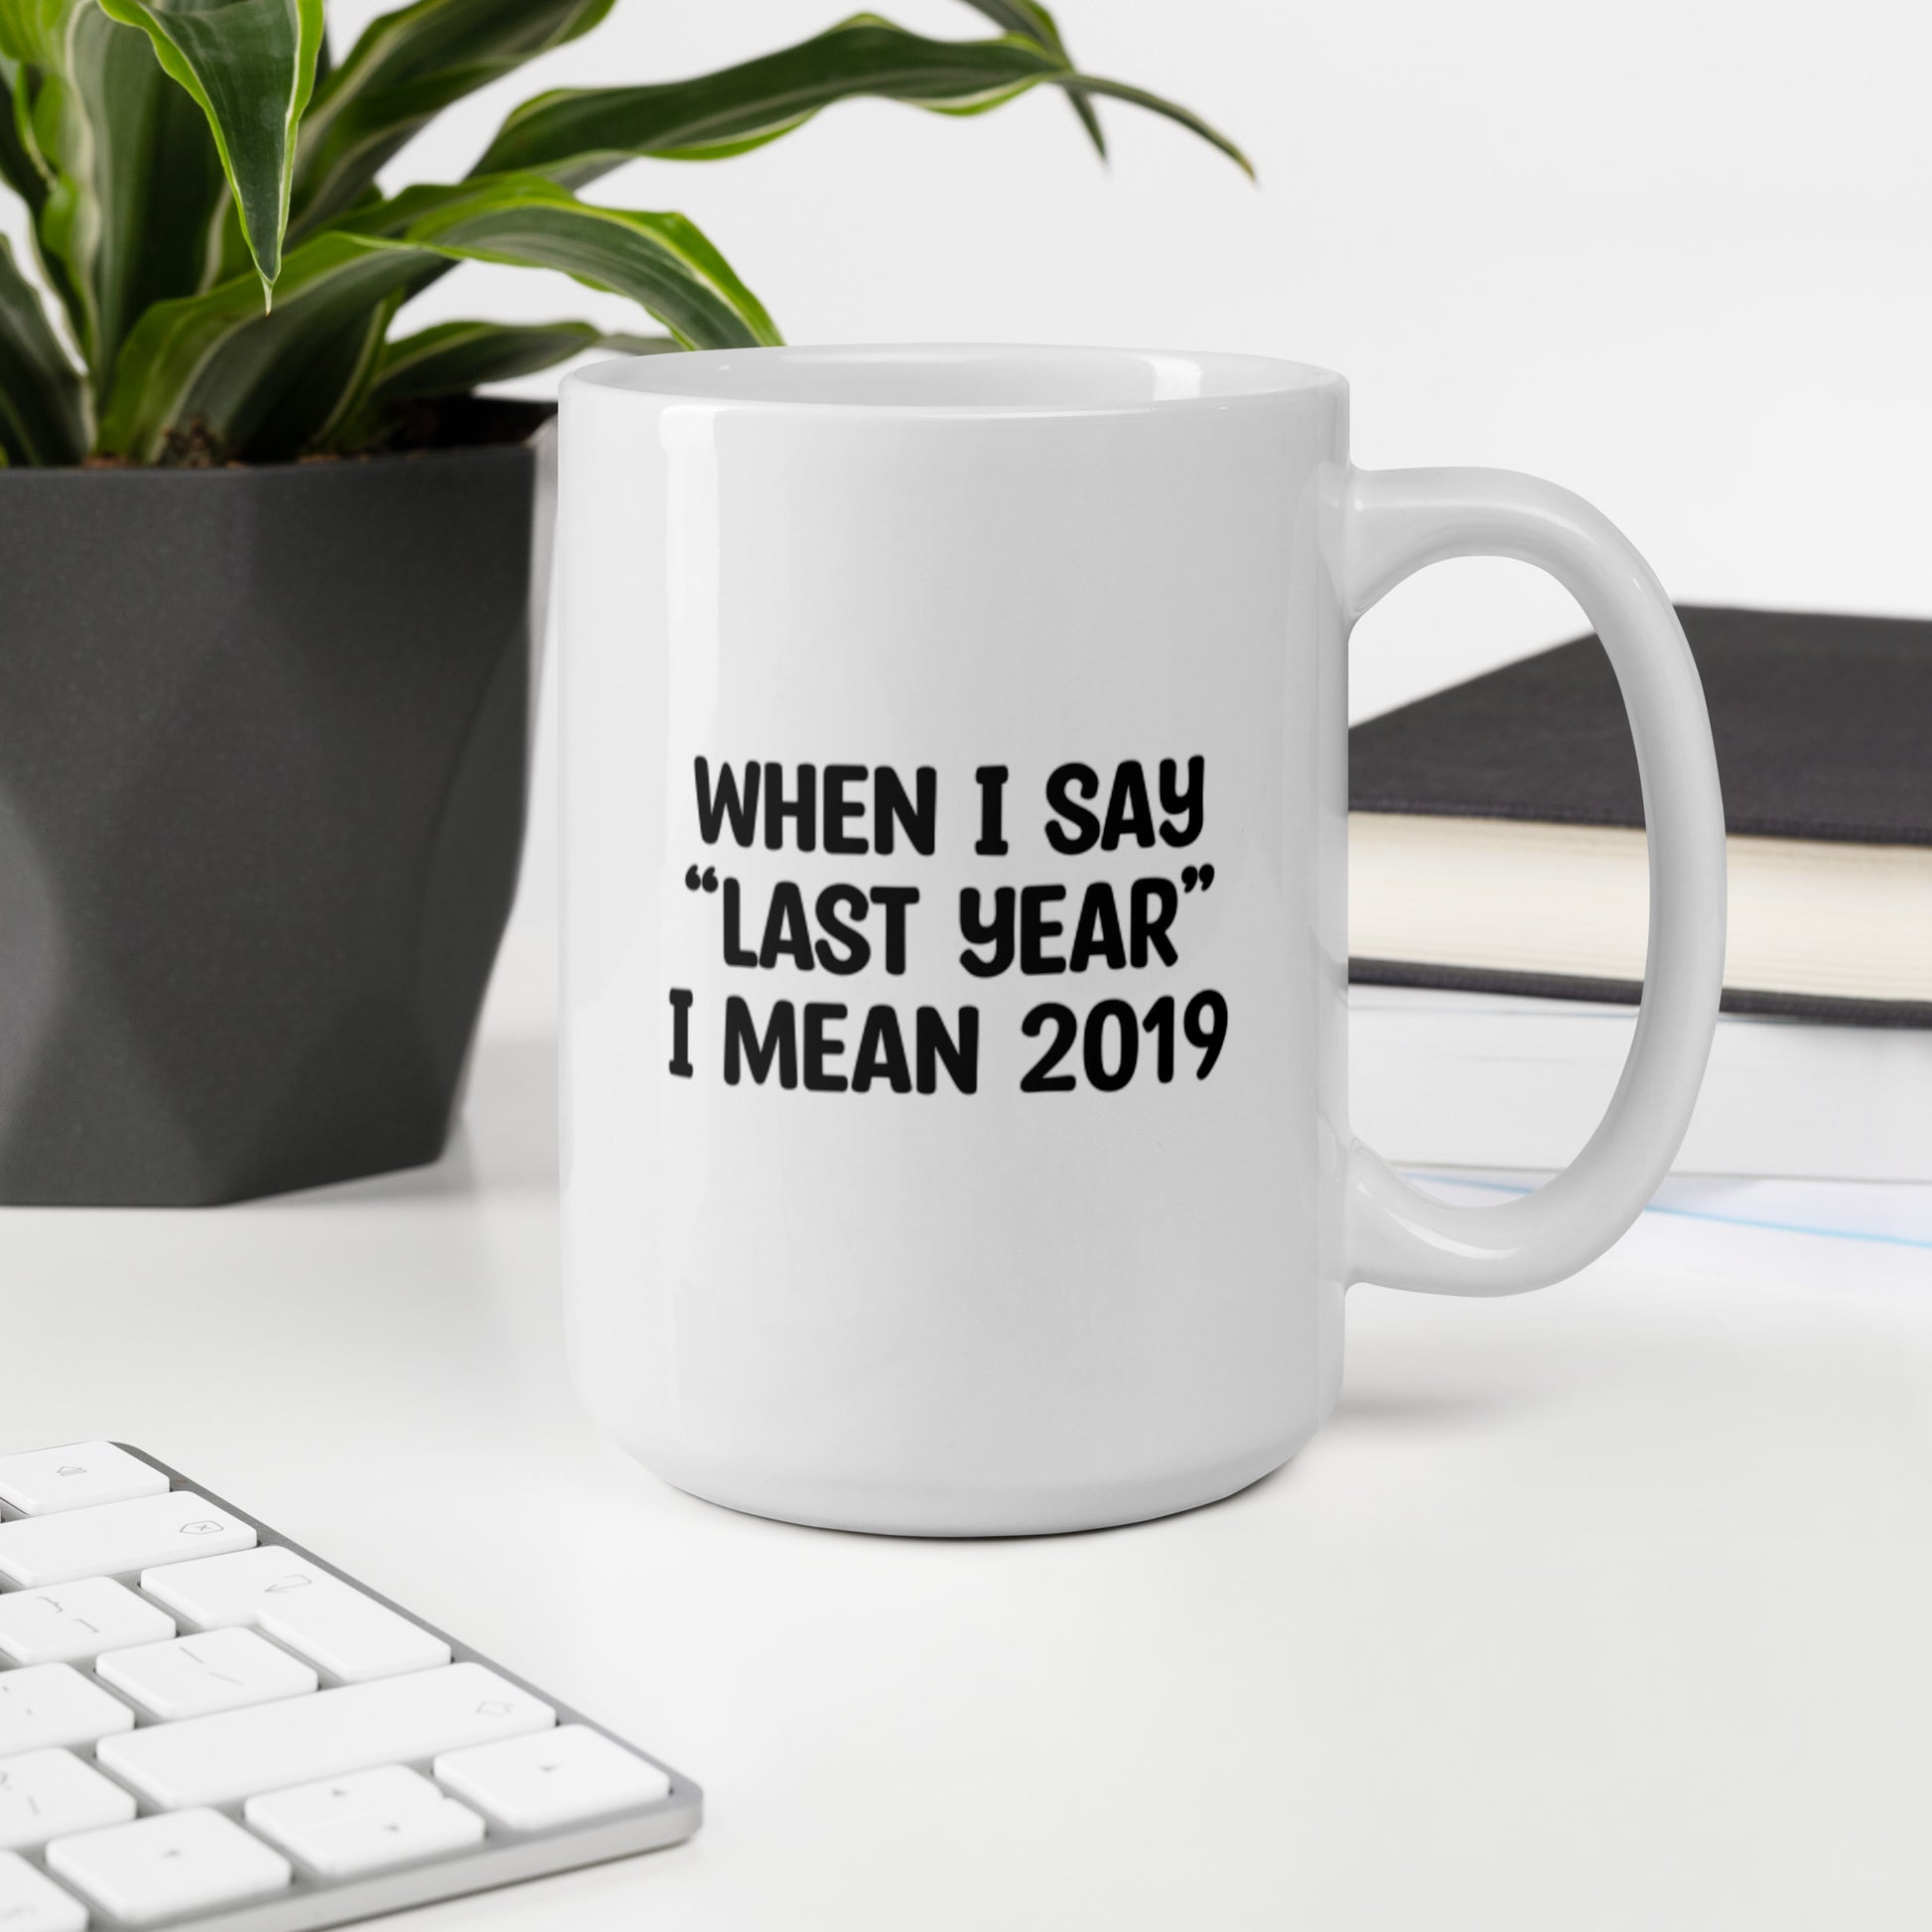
[(1676, 254)]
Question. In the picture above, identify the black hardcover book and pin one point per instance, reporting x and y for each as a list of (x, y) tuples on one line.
[(1496, 828)]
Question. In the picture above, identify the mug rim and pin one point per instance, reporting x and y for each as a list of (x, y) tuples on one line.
[(1019, 380)]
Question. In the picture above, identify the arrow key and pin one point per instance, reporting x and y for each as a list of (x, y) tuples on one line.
[(552, 1777), (165, 1866), (373, 1841), (390, 1788)]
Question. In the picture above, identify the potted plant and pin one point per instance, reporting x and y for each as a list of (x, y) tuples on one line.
[(267, 564)]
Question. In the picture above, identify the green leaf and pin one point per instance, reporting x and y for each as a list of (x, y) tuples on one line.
[(250, 67), (42, 409), (20, 165), (1169, 110), (135, 180), (30, 174), (661, 262), (214, 369), (31, 29), (455, 358), (406, 68), (314, 412), (1036, 24), (576, 134)]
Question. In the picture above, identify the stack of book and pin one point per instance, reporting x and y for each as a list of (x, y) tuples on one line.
[(1499, 914)]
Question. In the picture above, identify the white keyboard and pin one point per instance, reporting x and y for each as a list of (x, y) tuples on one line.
[(202, 1725)]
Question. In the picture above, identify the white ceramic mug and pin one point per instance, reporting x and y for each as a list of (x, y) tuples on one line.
[(957, 1124)]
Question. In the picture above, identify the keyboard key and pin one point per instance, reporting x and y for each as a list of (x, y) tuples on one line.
[(72, 1623), (30, 1903), (52, 1794), (557, 1777), (390, 1788), (161, 1867), (218, 1760), (116, 1538), (217, 1670), (51, 1704), (200, 1725), (379, 1838), (352, 1637), (79, 1476)]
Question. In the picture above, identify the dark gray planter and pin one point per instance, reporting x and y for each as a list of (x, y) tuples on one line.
[(263, 743)]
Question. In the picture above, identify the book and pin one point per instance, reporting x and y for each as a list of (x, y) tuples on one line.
[(1497, 829), (1442, 1080)]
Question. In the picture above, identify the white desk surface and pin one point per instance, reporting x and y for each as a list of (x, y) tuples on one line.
[(1609, 1606)]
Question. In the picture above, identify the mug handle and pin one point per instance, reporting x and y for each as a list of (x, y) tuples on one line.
[(1394, 523)]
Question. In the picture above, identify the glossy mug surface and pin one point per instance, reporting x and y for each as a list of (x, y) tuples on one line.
[(955, 1085)]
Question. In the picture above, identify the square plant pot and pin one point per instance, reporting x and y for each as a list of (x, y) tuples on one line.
[(264, 744)]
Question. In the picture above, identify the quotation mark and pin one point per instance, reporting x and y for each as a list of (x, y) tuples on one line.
[(1189, 878), (709, 883)]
